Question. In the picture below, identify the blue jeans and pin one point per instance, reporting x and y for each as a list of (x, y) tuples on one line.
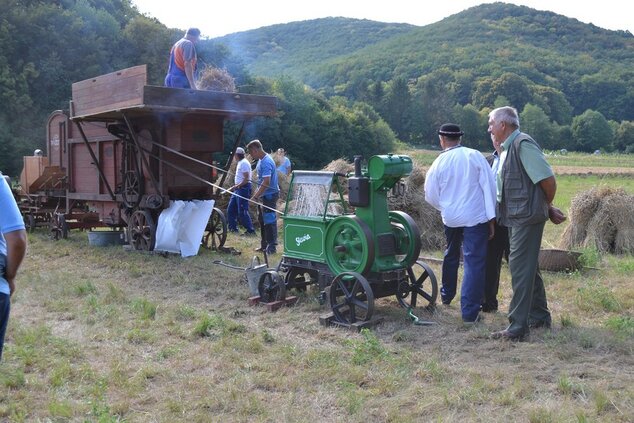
[(473, 240), (5, 307), (238, 210)]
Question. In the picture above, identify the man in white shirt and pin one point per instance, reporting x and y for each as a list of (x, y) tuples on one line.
[(460, 184), (238, 209)]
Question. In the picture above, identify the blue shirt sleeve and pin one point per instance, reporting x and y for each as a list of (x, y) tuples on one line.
[(10, 217)]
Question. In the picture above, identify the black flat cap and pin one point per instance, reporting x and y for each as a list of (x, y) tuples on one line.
[(450, 130)]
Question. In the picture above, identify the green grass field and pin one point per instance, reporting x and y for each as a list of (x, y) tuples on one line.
[(105, 335)]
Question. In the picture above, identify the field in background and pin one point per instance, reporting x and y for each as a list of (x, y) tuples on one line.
[(105, 335)]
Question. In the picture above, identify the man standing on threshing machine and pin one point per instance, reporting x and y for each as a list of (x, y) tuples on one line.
[(238, 209), (181, 72), (268, 192), (460, 184), (526, 188), (12, 251)]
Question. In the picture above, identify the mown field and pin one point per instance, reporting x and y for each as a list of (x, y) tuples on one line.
[(106, 335)]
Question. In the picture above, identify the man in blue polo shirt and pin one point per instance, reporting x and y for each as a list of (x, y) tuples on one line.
[(12, 251), (268, 193)]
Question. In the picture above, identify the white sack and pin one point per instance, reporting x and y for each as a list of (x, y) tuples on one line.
[(181, 226)]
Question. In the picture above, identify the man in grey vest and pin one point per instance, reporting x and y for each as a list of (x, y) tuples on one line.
[(526, 188)]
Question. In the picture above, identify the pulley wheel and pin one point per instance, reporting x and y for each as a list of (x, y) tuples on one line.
[(407, 236), (351, 298), (271, 287), (142, 230), (420, 289), (349, 245), (216, 231)]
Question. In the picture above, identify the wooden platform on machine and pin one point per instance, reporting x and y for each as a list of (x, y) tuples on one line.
[(329, 320), (275, 305), (106, 96)]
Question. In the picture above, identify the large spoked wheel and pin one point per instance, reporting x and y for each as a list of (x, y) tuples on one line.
[(421, 288), (407, 236), (216, 231), (349, 245), (142, 230), (271, 287), (131, 192), (58, 226), (351, 298)]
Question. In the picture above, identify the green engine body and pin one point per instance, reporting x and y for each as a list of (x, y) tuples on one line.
[(319, 227)]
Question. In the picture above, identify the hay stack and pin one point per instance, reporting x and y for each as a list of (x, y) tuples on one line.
[(340, 166), (426, 217), (601, 218), (214, 79)]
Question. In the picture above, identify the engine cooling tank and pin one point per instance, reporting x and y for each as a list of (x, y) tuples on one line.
[(389, 166)]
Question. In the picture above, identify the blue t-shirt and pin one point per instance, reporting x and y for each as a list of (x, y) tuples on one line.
[(264, 168), (286, 164), (10, 220)]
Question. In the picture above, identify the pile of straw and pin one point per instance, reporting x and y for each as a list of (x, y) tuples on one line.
[(215, 79), (601, 218), (426, 217), (343, 167)]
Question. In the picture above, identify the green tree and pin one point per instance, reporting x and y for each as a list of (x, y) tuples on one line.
[(536, 123), (624, 137), (591, 131)]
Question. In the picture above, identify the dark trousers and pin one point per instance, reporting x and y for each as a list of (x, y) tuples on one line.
[(5, 307), (497, 248), (238, 210), (474, 245), (529, 295), (268, 223)]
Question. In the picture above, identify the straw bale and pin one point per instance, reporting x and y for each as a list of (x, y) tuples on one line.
[(215, 79), (601, 218)]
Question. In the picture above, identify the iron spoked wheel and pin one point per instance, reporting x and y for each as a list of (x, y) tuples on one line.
[(349, 245), (421, 288), (216, 231), (131, 192), (351, 298), (59, 227), (271, 287), (298, 279), (407, 237), (142, 230)]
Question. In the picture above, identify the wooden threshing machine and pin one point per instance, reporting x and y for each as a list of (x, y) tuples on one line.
[(125, 149), (352, 257)]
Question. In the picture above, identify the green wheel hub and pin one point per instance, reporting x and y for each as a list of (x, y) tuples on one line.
[(349, 245)]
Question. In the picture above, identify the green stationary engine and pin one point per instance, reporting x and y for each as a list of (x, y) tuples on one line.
[(367, 254)]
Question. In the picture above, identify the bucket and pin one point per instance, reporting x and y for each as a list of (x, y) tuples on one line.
[(105, 238), (254, 272)]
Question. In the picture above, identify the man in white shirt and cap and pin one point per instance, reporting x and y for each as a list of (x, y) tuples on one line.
[(461, 185), (238, 209)]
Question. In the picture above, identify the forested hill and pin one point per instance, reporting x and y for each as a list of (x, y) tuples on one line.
[(573, 82), (296, 47), (373, 82)]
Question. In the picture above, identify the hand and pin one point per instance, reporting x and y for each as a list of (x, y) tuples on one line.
[(11, 286), (555, 215), (491, 229)]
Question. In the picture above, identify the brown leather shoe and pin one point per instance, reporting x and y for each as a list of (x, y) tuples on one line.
[(507, 335)]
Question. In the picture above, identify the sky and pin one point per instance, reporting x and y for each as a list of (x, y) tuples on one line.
[(218, 18)]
